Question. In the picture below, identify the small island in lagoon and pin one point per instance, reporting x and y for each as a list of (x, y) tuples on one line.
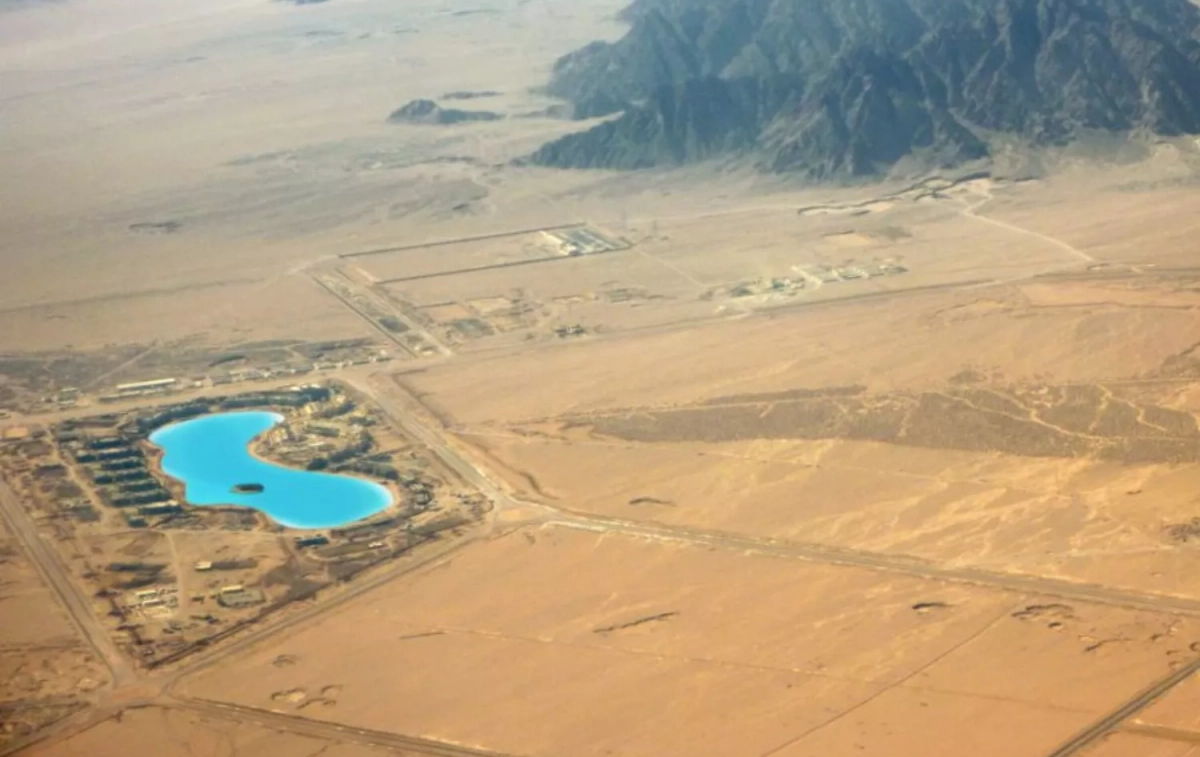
[(211, 456)]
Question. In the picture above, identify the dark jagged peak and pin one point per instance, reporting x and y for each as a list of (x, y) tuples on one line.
[(430, 113), (848, 88)]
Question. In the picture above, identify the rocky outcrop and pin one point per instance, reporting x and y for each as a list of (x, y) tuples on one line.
[(430, 113)]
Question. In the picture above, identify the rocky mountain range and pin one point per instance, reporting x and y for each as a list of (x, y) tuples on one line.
[(846, 88)]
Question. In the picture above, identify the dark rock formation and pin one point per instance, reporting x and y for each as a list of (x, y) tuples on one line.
[(430, 113), (156, 227), (469, 94), (847, 88)]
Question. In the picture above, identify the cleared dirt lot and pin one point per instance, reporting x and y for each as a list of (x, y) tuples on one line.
[(552, 642), (932, 239), (449, 257), (45, 673)]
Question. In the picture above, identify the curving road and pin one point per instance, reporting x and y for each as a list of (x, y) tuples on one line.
[(971, 211)]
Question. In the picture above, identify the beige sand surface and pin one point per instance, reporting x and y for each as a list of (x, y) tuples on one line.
[(1139, 225), (1043, 516), (935, 242), (170, 733), (220, 314), (46, 673), (1178, 709), (1133, 745), (525, 634), (907, 342), (31, 613), (923, 723), (237, 122), (446, 258), (580, 276)]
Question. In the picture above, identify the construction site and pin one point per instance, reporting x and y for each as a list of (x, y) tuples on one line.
[(53, 382), (168, 578)]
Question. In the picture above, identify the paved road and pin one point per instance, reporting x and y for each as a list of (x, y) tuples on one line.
[(1105, 725), (399, 406), (1080, 592), (412, 325), (331, 731), (57, 575)]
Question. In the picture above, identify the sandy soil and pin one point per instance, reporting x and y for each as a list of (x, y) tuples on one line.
[(170, 733), (1178, 709), (235, 122), (1049, 517), (1132, 745), (578, 634), (1147, 219), (701, 421), (33, 617), (46, 673), (447, 258), (907, 342)]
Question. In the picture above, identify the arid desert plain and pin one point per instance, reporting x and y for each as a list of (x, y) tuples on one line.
[(691, 462)]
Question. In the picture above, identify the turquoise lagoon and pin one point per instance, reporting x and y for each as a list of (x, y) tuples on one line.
[(211, 456)]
